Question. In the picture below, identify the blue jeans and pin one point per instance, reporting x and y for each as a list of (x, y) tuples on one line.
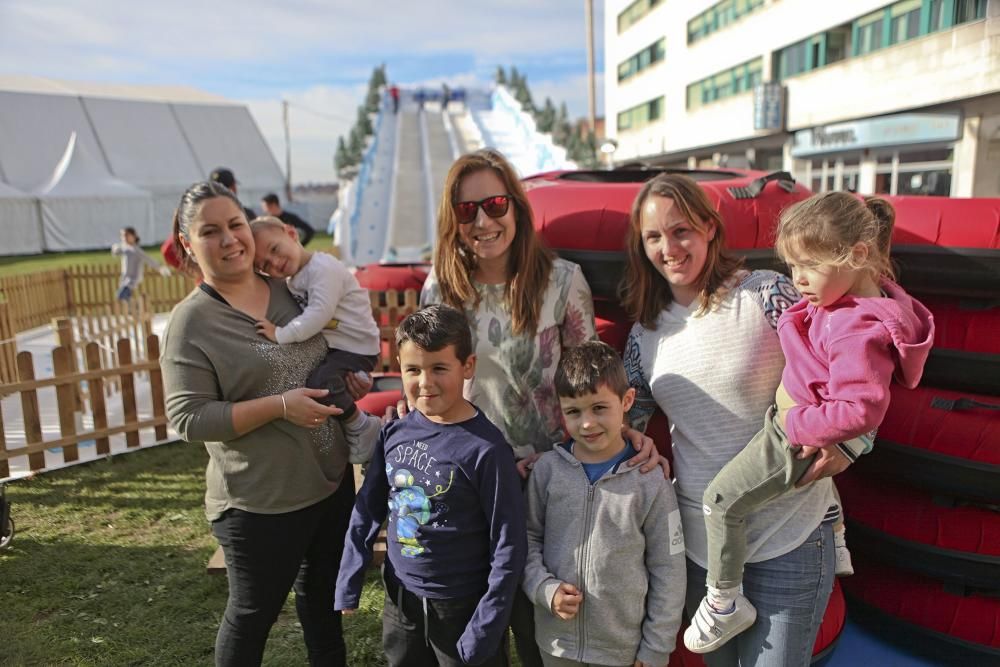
[(790, 593)]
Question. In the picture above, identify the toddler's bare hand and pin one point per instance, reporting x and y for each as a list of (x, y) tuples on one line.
[(566, 602), (266, 329)]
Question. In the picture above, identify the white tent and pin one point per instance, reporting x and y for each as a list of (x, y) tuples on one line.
[(157, 138), (20, 226), (84, 206)]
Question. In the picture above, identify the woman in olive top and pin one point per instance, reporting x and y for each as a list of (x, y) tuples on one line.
[(278, 497)]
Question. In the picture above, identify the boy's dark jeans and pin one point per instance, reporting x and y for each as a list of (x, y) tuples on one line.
[(266, 554), (412, 636)]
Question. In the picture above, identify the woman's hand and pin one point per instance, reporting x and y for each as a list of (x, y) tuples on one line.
[(359, 383), (648, 458), (302, 410), (828, 462), (525, 465)]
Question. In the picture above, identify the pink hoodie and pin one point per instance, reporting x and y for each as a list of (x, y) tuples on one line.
[(839, 361)]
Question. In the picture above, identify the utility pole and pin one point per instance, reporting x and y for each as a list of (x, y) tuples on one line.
[(288, 152), (591, 90)]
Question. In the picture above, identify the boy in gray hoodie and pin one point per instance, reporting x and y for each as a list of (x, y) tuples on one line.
[(605, 545)]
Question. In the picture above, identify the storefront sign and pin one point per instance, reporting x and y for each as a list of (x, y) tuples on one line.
[(910, 128)]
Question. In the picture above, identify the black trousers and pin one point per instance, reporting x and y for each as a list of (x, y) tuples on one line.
[(419, 632), (269, 554), (330, 375)]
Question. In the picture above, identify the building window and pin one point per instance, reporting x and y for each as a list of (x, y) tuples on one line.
[(718, 16), (649, 56), (904, 21), (739, 79), (869, 33), (631, 14), (640, 116), (969, 10)]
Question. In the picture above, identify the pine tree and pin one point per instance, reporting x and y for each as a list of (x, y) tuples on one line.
[(378, 77), (356, 145), (501, 76), (546, 117), (363, 124), (341, 158)]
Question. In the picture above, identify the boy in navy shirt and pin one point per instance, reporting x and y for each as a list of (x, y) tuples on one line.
[(452, 495)]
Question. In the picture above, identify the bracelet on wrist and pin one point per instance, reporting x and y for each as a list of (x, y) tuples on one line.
[(284, 408)]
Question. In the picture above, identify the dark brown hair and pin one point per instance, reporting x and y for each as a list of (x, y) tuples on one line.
[(584, 368), (434, 328), (188, 210)]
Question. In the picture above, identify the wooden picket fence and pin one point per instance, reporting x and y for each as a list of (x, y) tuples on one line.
[(389, 309), (34, 299), (72, 398)]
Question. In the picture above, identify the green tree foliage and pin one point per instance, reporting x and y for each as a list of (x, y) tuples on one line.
[(349, 152), (545, 119), (341, 158), (501, 76)]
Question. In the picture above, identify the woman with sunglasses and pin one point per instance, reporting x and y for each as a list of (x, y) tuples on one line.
[(524, 305)]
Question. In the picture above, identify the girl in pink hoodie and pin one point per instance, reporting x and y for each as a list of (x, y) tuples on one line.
[(853, 332)]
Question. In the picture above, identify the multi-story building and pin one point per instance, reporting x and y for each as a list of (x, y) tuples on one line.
[(867, 95)]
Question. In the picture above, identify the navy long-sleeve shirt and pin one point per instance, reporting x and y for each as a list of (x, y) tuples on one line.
[(456, 521)]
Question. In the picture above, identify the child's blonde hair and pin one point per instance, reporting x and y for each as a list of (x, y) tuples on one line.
[(826, 227), (266, 222)]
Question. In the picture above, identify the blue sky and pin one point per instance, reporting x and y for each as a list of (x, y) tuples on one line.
[(318, 54)]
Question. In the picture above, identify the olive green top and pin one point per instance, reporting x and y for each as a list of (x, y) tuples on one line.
[(213, 357)]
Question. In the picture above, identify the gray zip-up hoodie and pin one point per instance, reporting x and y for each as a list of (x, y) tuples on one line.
[(620, 542)]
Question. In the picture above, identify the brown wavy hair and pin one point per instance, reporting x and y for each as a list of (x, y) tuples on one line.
[(644, 292), (529, 262)]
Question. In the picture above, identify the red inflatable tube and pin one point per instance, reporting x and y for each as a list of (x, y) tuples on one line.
[(945, 441), (905, 527), (922, 614)]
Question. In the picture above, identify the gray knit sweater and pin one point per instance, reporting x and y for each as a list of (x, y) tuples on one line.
[(213, 357), (620, 542)]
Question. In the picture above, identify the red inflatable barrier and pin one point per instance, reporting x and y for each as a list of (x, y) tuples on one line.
[(947, 246), (381, 277), (943, 440), (906, 528), (924, 615), (965, 325)]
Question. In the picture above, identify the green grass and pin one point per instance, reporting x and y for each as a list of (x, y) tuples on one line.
[(19, 264), (108, 568)]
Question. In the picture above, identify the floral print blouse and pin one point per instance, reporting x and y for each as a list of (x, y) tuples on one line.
[(513, 384)]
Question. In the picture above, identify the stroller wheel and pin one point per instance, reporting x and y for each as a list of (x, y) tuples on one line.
[(7, 535)]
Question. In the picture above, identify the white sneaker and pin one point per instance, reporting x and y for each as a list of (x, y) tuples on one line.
[(844, 566), (709, 629), (361, 443)]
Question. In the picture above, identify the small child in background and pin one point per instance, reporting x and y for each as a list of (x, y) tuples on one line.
[(332, 303), (444, 477), (851, 335), (606, 566), (134, 262)]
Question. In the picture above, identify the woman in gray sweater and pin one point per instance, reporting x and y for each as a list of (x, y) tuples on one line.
[(279, 493)]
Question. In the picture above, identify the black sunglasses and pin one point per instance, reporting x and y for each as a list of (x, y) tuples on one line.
[(495, 206)]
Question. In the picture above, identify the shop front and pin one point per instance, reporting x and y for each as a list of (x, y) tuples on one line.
[(912, 153)]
